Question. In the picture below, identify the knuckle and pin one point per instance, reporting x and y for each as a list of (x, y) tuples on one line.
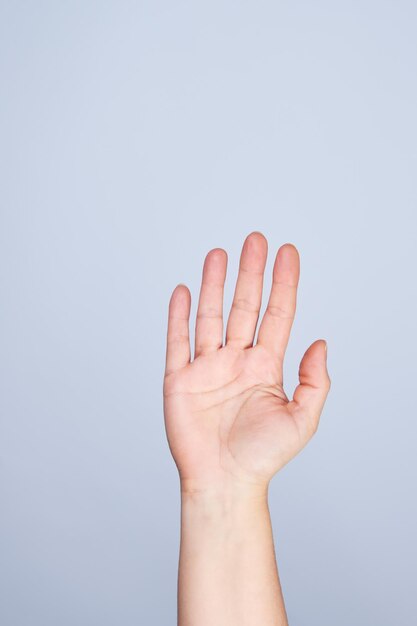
[(208, 312), (281, 312), (178, 338), (246, 305)]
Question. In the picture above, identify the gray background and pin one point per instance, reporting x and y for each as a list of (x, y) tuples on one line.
[(135, 136)]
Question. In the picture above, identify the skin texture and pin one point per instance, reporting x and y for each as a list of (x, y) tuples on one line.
[(230, 428)]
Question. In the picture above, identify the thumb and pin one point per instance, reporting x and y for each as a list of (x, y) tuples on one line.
[(310, 395)]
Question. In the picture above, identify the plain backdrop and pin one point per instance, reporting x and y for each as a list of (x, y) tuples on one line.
[(134, 137)]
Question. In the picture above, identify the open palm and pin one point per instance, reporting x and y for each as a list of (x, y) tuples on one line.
[(226, 413)]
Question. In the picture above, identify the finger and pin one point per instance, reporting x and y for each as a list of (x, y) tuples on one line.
[(244, 313), (209, 319), (310, 395), (178, 339), (274, 331)]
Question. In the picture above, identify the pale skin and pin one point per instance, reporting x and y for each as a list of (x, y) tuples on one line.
[(230, 428)]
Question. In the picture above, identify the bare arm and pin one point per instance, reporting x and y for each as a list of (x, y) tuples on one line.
[(228, 573), (230, 428)]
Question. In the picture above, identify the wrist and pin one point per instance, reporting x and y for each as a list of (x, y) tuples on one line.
[(223, 495), (223, 514)]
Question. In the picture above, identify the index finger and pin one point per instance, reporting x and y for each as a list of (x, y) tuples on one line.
[(274, 331)]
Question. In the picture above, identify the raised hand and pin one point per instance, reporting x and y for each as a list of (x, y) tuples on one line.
[(227, 417)]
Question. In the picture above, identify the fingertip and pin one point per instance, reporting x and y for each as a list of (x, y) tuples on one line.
[(289, 250), (217, 255), (215, 267), (257, 238), (320, 357), (257, 234), (317, 349), (180, 298), (254, 252), (321, 342), (218, 251), (321, 345), (287, 265), (181, 288)]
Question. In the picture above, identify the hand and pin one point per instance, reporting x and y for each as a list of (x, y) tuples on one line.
[(227, 417)]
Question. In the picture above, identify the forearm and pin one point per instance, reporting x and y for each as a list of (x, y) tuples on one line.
[(228, 574)]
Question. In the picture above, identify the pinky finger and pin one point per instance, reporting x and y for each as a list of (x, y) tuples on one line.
[(178, 336)]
